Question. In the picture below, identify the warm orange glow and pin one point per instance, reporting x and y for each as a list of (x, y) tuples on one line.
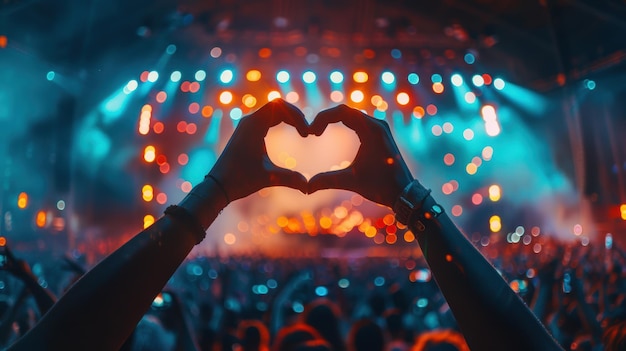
[(3, 41), (471, 169), (438, 88), (390, 160), (282, 221), (383, 106), (161, 198), (376, 100), (495, 224), (191, 128), (622, 210), (147, 193), (336, 96), (370, 232), (402, 98), (41, 219), (3, 241), (207, 111), (357, 96), (409, 237), (389, 219), (146, 108), (164, 168), (226, 97), (181, 126), (360, 77), (292, 97), (149, 154), (249, 100), (391, 239), (487, 153), (265, 53), (148, 220), (418, 112), (326, 222), (230, 238), (253, 75), (158, 127), (494, 193), (22, 200), (273, 95)]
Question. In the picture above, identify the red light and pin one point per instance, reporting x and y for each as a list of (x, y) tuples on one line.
[(194, 107), (191, 128), (161, 159), (184, 87), (181, 127), (144, 76), (158, 127), (161, 97), (487, 79), (194, 87)]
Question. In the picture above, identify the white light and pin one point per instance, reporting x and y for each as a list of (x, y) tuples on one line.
[(153, 76), (388, 78), (478, 80), (308, 77), (282, 77), (226, 76), (200, 75), (175, 76), (457, 80), (498, 83), (132, 85), (336, 77)]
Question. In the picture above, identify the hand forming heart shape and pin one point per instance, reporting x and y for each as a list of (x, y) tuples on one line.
[(377, 172)]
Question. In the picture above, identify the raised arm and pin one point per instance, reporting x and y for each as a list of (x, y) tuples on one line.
[(101, 310), (490, 314)]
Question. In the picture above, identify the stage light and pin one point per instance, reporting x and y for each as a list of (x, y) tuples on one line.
[(148, 220), (457, 210), (50, 75), (436, 78), (249, 100), (471, 168), (360, 77), (153, 76), (469, 58), (226, 76), (457, 80), (171, 49), (226, 97), (282, 76), (395, 53), (144, 76), (149, 154), (495, 224), (448, 159), (309, 77), (468, 134), (376, 100), (413, 78), (495, 193), (438, 88), (402, 98), (161, 96), (61, 205), (41, 219), (265, 53), (273, 95), (487, 79), (488, 113), (622, 210), (147, 193), (578, 229), (487, 153), (477, 199), (194, 87), (418, 112), (158, 127), (194, 108), (236, 113), (216, 52), (336, 77), (253, 75), (388, 77), (200, 75), (292, 97), (431, 109), (131, 86), (478, 80), (470, 97), (336, 96), (590, 84), (357, 96), (498, 83), (207, 111), (437, 130), (448, 127)]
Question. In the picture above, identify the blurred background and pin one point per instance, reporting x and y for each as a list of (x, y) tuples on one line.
[(512, 111)]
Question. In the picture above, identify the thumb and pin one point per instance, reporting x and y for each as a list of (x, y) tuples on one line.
[(340, 179), (284, 177)]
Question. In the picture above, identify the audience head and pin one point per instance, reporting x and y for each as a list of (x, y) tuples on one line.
[(323, 315), (366, 335), (253, 336), (289, 338)]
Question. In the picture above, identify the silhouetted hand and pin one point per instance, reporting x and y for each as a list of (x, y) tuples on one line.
[(378, 171), (244, 167)]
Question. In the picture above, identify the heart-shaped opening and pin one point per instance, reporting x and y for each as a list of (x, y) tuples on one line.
[(333, 150)]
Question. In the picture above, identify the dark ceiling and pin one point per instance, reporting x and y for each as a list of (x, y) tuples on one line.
[(532, 40)]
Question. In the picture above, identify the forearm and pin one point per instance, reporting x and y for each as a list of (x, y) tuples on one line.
[(104, 306), (490, 314)]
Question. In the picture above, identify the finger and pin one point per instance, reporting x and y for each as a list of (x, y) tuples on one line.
[(284, 177), (340, 179), (352, 118), (280, 110)]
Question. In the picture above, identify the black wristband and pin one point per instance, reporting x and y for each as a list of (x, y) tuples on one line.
[(220, 186), (190, 221)]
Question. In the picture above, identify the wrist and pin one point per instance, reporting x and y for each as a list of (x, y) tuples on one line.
[(416, 207), (205, 201)]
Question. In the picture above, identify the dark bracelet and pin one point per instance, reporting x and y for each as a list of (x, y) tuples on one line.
[(409, 206), (220, 186), (190, 221)]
